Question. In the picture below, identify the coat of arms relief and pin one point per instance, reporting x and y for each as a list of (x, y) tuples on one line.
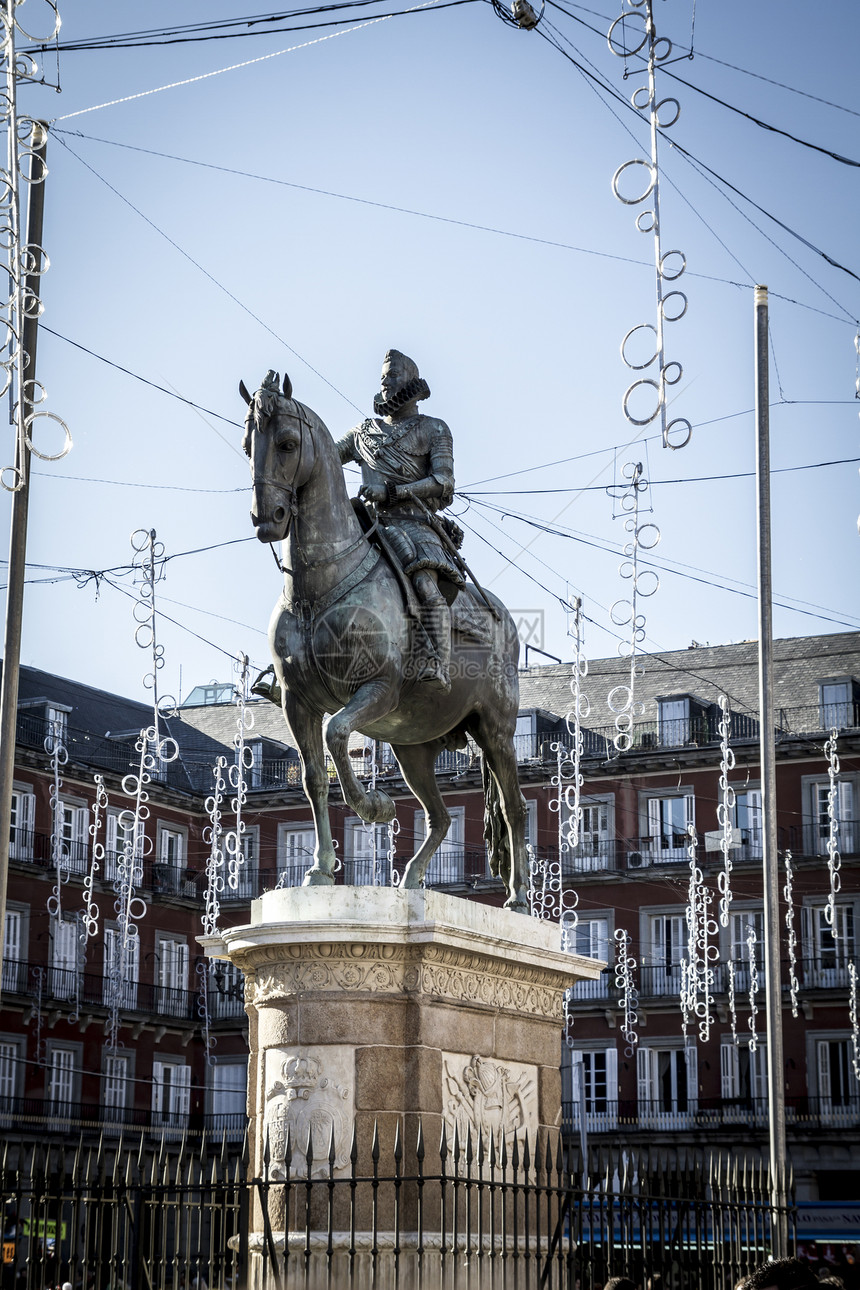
[(497, 1099), (309, 1097)]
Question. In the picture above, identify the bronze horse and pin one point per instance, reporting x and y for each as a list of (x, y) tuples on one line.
[(341, 638)]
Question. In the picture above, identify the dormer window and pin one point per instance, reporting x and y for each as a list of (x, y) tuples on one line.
[(681, 719), (838, 703)]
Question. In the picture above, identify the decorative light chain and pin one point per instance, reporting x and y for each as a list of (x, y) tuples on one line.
[(637, 24), (788, 893), (725, 810), (377, 878), (90, 916), (625, 613), (548, 898), (214, 835), (393, 832), (59, 853), (625, 968), (733, 1012), (853, 1014), (753, 965), (155, 751), (23, 165), (697, 976), (834, 860), (234, 845), (209, 1041), (574, 719)]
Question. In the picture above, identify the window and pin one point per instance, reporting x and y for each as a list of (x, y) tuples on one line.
[(743, 1081), (115, 1088), (595, 849), (361, 868), (668, 818), (828, 956), (74, 833), (61, 1081), (748, 818), (56, 726), (253, 767), (524, 738), (13, 950), (171, 848), (296, 844), (21, 825), (65, 958), (667, 1081), (10, 1072), (119, 837), (229, 1094), (172, 994), (739, 952), (126, 971), (591, 939), (673, 721), (168, 873), (668, 939), (816, 831), (447, 865), (593, 1087), (836, 707), (171, 1093), (837, 1085), (531, 823)]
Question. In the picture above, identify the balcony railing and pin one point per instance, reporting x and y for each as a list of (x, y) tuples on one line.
[(42, 983), (802, 1114), (826, 971), (54, 1115)]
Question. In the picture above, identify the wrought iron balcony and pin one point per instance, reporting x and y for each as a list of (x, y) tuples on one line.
[(802, 1114), (54, 1115), (48, 986)]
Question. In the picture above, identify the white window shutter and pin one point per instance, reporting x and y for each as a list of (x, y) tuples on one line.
[(182, 1089), (612, 1075), (758, 1061), (81, 826), (823, 1069), (12, 935), (692, 1056), (729, 1073), (658, 939), (420, 828), (157, 1085), (654, 823), (846, 801), (644, 1083), (600, 939), (27, 807), (689, 810)]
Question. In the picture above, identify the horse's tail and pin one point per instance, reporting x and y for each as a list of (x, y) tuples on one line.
[(496, 834)]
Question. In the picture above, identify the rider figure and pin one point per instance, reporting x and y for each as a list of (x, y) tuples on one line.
[(407, 467)]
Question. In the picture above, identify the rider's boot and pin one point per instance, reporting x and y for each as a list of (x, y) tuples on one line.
[(436, 618)]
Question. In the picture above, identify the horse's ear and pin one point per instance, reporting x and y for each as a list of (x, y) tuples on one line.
[(288, 387), (244, 393)]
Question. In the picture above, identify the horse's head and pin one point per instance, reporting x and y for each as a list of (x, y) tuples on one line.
[(280, 446)]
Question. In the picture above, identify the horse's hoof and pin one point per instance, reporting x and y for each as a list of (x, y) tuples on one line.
[(517, 903), (411, 877), (318, 878), (381, 809)]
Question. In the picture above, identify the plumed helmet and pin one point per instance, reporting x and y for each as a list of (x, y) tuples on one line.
[(412, 385)]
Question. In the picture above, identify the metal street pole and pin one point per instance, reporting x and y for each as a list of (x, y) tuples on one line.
[(18, 539), (772, 925)]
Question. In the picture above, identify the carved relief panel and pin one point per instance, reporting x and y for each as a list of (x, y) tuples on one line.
[(498, 1098), (309, 1094)]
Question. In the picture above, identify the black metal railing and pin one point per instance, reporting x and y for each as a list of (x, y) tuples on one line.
[(672, 1115), (824, 971), (524, 1212)]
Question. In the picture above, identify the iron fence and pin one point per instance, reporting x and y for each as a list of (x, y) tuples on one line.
[(518, 1214)]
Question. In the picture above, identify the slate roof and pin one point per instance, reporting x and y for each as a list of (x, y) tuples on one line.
[(704, 672)]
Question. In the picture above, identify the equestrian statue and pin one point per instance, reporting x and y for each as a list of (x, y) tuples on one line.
[(379, 628)]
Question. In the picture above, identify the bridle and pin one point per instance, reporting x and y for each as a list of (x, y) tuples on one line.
[(291, 491)]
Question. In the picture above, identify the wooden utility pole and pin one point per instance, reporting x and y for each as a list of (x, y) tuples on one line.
[(20, 508), (770, 855)]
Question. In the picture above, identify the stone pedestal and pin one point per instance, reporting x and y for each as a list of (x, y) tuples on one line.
[(377, 1007)]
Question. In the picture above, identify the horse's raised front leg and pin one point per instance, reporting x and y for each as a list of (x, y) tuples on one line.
[(307, 732), (417, 762), (497, 745), (368, 704)]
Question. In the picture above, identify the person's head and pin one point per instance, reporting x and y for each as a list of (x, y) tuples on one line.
[(619, 1283), (400, 384), (782, 1274)]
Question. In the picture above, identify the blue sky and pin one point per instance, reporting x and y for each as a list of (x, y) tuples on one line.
[(453, 114)]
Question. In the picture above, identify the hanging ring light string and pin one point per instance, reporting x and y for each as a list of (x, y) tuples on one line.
[(248, 62)]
